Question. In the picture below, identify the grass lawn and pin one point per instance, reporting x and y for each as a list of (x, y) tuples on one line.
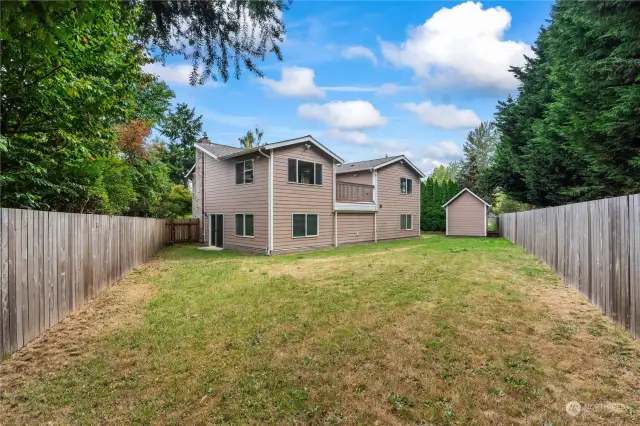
[(428, 331)]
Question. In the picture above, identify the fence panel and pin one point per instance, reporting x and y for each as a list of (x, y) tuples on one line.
[(52, 263), (593, 246), (634, 264)]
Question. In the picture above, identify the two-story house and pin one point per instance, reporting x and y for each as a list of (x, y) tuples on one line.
[(298, 195)]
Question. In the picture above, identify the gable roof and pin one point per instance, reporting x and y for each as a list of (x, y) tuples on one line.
[(304, 139), (376, 164), (460, 193), (216, 150)]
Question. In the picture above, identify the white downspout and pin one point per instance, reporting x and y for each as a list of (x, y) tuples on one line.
[(335, 212), (374, 178), (269, 202)]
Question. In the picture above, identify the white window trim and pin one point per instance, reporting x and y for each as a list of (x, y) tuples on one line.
[(314, 172), (244, 225), (406, 214), (406, 186), (245, 171), (305, 225)]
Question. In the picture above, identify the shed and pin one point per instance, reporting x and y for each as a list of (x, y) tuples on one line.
[(466, 215)]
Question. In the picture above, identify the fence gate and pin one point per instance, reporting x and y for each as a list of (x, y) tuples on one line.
[(183, 230)]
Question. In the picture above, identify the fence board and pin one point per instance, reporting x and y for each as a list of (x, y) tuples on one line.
[(634, 264), (593, 246), (52, 263), (5, 344)]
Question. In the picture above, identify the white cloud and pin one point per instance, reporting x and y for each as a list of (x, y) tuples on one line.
[(388, 89), (177, 74), (354, 89), (443, 149), (349, 115), (427, 164), (353, 52), (351, 136), (462, 44), (295, 82), (443, 116)]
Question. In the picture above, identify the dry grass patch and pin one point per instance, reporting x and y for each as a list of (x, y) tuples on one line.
[(74, 339), (433, 331)]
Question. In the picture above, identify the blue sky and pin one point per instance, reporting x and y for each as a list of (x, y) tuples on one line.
[(374, 78)]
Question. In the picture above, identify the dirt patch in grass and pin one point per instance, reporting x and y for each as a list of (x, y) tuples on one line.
[(364, 264), (73, 339)]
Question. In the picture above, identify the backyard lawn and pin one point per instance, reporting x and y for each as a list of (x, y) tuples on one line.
[(429, 331)]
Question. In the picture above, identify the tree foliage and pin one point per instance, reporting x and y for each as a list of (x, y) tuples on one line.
[(69, 75), (433, 195), (444, 173), (252, 138), (177, 203), (215, 35), (573, 133), (77, 109), (478, 150), (182, 127)]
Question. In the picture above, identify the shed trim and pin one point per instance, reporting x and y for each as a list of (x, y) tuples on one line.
[(460, 193)]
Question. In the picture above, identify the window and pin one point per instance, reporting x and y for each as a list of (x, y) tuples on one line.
[(406, 186), (305, 172), (244, 172), (406, 222), (244, 225), (304, 225)]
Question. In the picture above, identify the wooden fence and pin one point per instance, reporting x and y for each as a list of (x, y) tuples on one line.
[(183, 230), (593, 246), (52, 263)]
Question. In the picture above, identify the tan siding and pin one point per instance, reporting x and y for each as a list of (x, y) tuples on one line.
[(355, 228), (466, 216), (289, 198), (391, 203), (365, 178), (223, 196)]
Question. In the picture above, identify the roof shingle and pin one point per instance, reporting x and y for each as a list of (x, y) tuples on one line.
[(364, 165), (219, 150)]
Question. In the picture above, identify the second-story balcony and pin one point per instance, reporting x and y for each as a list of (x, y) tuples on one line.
[(354, 197)]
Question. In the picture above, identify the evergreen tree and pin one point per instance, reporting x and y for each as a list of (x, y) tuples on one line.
[(433, 195), (573, 133), (182, 127), (478, 149)]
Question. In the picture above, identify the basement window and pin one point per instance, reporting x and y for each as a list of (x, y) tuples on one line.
[(406, 222), (244, 225), (304, 225)]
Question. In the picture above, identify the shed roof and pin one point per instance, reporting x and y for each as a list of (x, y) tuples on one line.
[(460, 193)]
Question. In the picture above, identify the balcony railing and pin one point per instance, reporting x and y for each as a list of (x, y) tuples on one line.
[(347, 192)]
